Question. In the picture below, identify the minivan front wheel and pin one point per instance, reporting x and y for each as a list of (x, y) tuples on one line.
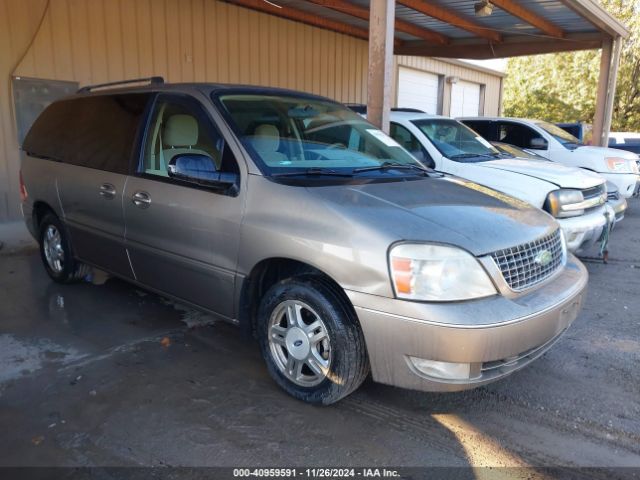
[(310, 340), (56, 252)]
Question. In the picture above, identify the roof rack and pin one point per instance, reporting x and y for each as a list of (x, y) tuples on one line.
[(357, 107), (151, 80)]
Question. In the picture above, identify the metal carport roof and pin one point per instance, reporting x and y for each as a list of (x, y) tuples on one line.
[(454, 29), (522, 27)]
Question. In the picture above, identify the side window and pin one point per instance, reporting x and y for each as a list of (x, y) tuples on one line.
[(482, 128), (95, 131), (408, 140), (179, 125), (516, 134)]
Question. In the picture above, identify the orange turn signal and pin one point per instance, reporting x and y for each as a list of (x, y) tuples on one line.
[(402, 274)]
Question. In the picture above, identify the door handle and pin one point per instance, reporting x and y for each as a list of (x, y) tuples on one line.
[(107, 191), (141, 199)]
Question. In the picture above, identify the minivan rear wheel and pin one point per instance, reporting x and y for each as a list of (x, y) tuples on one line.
[(311, 341), (57, 253)]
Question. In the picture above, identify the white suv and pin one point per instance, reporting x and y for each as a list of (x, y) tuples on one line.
[(552, 142), (575, 197)]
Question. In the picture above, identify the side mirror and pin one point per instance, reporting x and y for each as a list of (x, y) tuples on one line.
[(199, 169), (538, 143)]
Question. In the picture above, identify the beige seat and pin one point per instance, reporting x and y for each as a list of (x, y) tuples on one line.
[(180, 135), (266, 141)]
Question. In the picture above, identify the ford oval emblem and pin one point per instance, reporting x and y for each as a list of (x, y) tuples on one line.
[(297, 343), (543, 258)]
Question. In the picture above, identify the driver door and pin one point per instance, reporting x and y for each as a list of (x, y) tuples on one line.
[(183, 238)]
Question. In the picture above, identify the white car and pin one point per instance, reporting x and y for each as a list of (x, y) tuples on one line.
[(575, 197), (552, 142)]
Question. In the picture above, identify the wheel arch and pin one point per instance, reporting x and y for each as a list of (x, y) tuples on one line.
[(39, 210), (267, 273)]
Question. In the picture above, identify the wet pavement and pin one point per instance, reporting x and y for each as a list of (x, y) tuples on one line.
[(111, 375)]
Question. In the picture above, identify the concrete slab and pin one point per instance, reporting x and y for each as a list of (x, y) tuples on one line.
[(110, 375), (15, 237)]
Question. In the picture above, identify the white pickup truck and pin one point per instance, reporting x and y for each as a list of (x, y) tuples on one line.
[(575, 197), (552, 142)]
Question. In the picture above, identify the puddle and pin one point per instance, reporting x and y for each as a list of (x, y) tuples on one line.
[(20, 357), (189, 316)]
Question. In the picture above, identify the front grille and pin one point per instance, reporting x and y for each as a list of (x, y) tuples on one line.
[(592, 192), (523, 266), (613, 196)]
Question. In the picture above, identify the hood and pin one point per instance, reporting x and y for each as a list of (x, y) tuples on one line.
[(447, 210), (558, 174), (605, 152)]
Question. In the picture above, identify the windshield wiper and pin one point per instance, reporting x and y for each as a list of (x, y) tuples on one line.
[(392, 166), (315, 171), (472, 155)]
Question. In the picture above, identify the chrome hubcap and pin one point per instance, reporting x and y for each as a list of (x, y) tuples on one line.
[(53, 250), (299, 343)]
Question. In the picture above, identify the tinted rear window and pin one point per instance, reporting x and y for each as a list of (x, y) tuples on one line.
[(483, 128), (95, 132)]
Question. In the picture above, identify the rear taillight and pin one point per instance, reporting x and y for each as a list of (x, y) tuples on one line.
[(23, 189)]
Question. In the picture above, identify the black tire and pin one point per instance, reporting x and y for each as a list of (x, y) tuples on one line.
[(349, 361), (72, 270)]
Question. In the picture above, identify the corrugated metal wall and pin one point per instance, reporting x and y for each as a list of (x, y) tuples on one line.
[(96, 41), (19, 21), (491, 82)]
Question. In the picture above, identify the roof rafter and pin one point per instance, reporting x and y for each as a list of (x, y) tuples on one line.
[(510, 47), (358, 11), (444, 15), (529, 17), (306, 17)]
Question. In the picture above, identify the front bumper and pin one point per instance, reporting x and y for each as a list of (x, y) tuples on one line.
[(496, 335), (619, 207), (625, 182), (584, 231)]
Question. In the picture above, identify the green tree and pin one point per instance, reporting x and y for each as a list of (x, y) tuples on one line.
[(561, 87)]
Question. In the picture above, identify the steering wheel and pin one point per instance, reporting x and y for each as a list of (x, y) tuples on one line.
[(333, 146)]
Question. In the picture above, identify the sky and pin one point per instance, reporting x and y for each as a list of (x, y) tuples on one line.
[(499, 64)]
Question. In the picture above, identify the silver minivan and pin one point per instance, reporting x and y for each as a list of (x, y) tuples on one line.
[(291, 216)]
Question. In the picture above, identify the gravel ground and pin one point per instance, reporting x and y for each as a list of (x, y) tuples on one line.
[(110, 375)]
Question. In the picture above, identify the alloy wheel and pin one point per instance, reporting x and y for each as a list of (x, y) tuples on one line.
[(299, 343), (53, 251)]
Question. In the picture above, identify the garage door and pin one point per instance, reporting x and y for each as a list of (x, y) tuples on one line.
[(465, 99), (418, 89)]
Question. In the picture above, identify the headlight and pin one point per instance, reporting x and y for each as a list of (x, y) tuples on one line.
[(568, 203), (437, 273), (621, 165)]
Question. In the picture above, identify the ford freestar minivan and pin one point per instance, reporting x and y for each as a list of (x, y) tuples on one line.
[(290, 215)]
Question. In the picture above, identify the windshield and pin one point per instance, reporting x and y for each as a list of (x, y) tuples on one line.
[(295, 134), (456, 141), (559, 134), (513, 151)]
